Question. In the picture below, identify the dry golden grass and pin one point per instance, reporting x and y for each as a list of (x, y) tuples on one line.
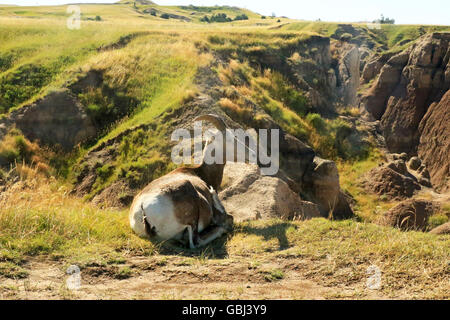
[(39, 217)]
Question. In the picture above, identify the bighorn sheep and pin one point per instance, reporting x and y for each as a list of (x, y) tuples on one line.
[(184, 200)]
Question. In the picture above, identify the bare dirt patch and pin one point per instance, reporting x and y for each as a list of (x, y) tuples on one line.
[(163, 277)]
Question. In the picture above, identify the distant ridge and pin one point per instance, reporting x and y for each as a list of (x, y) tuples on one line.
[(143, 2)]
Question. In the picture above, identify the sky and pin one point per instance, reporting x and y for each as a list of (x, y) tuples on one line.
[(403, 11)]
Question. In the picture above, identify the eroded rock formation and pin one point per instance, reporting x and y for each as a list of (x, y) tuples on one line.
[(56, 119), (410, 97), (434, 144)]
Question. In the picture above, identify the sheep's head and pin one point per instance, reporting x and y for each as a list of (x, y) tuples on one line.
[(216, 141), (220, 216)]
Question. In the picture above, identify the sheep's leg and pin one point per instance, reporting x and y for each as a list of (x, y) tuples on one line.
[(210, 236), (191, 237)]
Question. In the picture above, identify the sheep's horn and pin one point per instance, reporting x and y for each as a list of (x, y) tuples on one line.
[(215, 120)]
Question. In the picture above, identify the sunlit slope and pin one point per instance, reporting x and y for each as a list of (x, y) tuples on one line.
[(37, 46)]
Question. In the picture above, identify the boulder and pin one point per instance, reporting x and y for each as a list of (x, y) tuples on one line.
[(442, 229), (297, 156), (398, 166), (248, 195), (391, 181), (410, 215), (398, 156), (321, 186), (414, 163)]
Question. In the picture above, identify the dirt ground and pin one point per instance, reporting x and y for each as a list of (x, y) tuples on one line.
[(177, 278)]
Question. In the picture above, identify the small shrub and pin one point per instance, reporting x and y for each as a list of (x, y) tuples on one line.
[(317, 122), (165, 16), (281, 90), (16, 148), (242, 114), (236, 74), (214, 39), (220, 17), (346, 37), (274, 275), (123, 273), (241, 17), (342, 130), (351, 111), (43, 168), (295, 57), (105, 105), (105, 171)]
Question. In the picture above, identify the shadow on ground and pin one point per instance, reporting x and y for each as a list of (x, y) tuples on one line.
[(218, 249), (277, 231)]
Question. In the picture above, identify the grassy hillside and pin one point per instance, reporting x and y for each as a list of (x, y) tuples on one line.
[(150, 60)]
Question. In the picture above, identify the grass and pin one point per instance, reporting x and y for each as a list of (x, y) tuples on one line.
[(46, 221), (360, 245), (368, 206), (166, 72), (40, 54), (64, 229), (274, 275)]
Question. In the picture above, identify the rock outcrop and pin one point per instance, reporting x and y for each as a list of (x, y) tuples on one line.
[(410, 215), (56, 119), (373, 104), (434, 144), (442, 229), (374, 66), (348, 77), (391, 181), (409, 97)]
